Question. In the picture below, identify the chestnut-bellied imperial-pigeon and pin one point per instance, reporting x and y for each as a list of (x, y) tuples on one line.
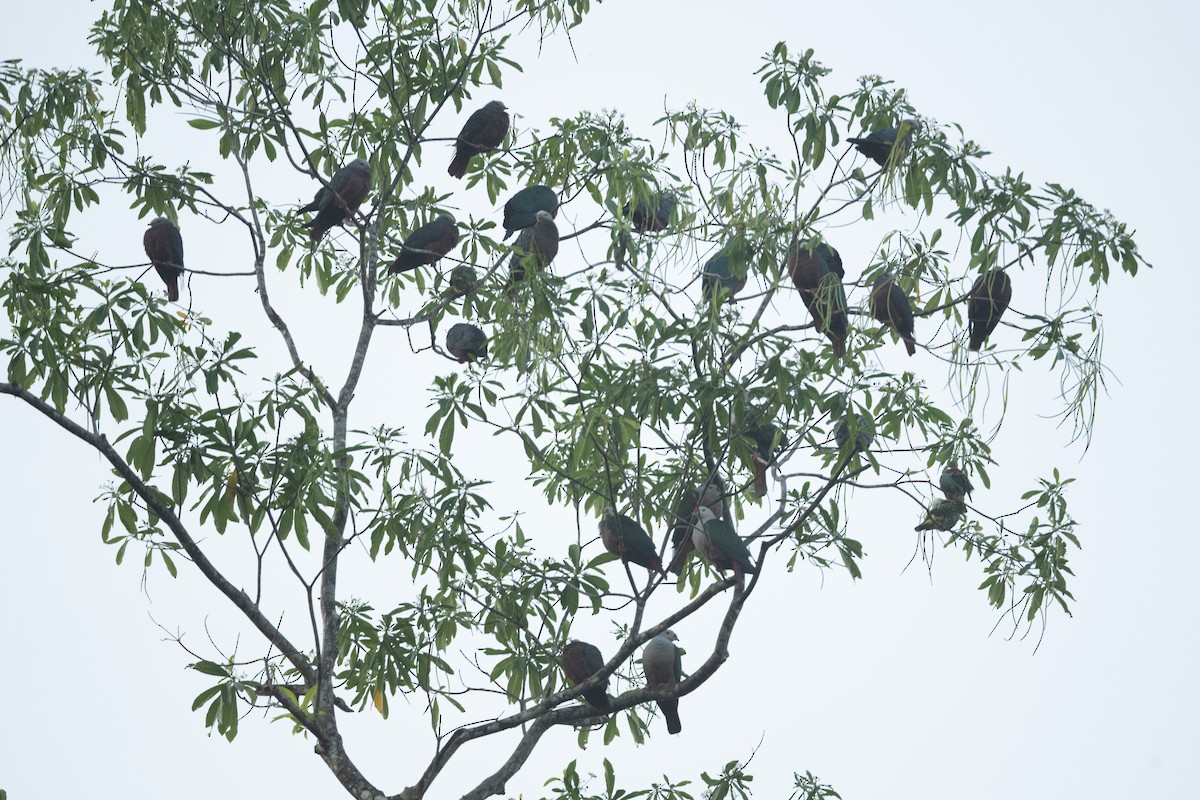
[(350, 185), (719, 543), (164, 247), (520, 211), (663, 666), (890, 306), (536, 246), (427, 244), (581, 661), (989, 298), (712, 495), (484, 130), (726, 271), (624, 537), (466, 342), (817, 274), (881, 144)]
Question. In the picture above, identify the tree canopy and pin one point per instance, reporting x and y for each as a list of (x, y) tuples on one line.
[(691, 353)]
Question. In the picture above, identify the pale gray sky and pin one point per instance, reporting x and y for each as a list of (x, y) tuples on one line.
[(891, 687)]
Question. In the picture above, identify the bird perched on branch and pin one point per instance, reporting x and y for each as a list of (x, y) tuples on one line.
[(990, 296), (719, 543), (427, 244), (466, 342), (521, 209), (886, 144), (536, 246), (955, 484), (711, 495), (662, 665), (817, 273), (942, 515), (890, 306), (339, 201), (484, 130), (624, 537), (652, 215), (581, 661), (726, 271), (164, 247)]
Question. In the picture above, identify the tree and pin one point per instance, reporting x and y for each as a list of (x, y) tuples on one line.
[(619, 388)]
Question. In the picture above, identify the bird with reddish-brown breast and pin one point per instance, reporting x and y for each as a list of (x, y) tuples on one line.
[(624, 537), (990, 297), (427, 244), (164, 247), (581, 661), (339, 201), (890, 306), (484, 130)]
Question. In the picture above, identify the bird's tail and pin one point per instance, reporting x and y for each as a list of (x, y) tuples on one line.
[(760, 479), (458, 167), (670, 711), (910, 345), (173, 289)]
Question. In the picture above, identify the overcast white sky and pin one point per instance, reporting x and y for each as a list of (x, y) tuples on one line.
[(891, 687)]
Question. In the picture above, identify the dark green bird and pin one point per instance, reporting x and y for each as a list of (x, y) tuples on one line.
[(890, 306), (881, 144), (942, 516), (726, 271), (427, 244), (653, 215), (767, 443), (463, 280), (713, 496), (817, 273), (521, 210), (466, 342), (662, 665), (863, 430), (990, 297), (623, 537), (955, 484), (719, 543), (581, 661)]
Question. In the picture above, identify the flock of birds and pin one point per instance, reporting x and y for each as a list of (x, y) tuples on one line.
[(701, 518), (815, 268), (701, 525)]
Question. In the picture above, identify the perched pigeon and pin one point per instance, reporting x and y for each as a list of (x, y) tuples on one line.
[(817, 274), (521, 210), (719, 543), (654, 215), (989, 298), (955, 484), (890, 306), (726, 270), (864, 432), (623, 537), (663, 666), (713, 496), (463, 279), (484, 130), (767, 443), (581, 661), (427, 244), (351, 184), (879, 145), (466, 342), (942, 516), (164, 247), (536, 246)]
